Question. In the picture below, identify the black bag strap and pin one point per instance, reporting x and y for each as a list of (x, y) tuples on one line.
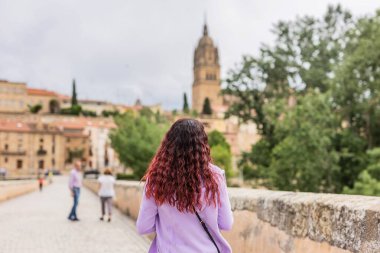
[(206, 229)]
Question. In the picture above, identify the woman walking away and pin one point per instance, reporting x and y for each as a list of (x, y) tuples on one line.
[(185, 197), (41, 182), (106, 193)]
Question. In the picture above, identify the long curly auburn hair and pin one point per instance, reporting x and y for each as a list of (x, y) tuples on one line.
[(181, 167)]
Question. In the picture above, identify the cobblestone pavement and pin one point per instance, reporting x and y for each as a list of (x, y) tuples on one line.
[(37, 222)]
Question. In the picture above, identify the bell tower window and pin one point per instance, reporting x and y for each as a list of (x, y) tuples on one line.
[(210, 76)]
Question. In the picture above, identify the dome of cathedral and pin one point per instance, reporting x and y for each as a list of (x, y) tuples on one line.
[(205, 40)]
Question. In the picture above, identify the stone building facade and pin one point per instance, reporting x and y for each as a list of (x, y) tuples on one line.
[(49, 100), (98, 150), (16, 97), (26, 148), (13, 96), (62, 139)]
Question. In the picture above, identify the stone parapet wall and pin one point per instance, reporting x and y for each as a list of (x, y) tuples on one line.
[(11, 189), (287, 222)]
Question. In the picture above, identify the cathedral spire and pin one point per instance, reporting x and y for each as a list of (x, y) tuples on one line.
[(205, 30)]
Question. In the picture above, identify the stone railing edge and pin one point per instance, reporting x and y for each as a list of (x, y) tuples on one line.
[(350, 222)]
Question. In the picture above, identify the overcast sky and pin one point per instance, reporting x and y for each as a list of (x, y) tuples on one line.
[(121, 50)]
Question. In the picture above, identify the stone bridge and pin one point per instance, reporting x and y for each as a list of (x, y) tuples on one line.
[(37, 223), (287, 222), (265, 221)]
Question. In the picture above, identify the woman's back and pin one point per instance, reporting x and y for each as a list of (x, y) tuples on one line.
[(106, 186), (181, 231), (181, 180)]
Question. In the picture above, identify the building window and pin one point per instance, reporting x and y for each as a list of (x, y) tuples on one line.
[(41, 140), (6, 147), (210, 76), (53, 161), (19, 164), (41, 164), (53, 149), (6, 159), (68, 139)]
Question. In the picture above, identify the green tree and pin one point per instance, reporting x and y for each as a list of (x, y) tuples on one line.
[(89, 113), (74, 100), (305, 158), (217, 138), (356, 84), (303, 56), (221, 156), (136, 140), (107, 113), (374, 163), (368, 182), (335, 55), (185, 109), (207, 107), (35, 108), (366, 185), (75, 110), (194, 113), (221, 152), (147, 113), (352, 157), (255, 164)]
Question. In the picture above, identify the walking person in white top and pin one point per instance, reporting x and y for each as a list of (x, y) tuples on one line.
[(106, 193)]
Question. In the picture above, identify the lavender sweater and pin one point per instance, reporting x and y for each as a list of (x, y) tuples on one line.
[(178, 232)]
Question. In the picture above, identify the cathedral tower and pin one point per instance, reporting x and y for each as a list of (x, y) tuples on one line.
[(206, 74)]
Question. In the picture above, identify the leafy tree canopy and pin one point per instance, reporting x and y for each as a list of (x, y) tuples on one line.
[(136, 140), (217, 138), (314, 95), (207, 107), (220, 151), (35, 108)]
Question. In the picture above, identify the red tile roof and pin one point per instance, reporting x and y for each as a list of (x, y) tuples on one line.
[(82, 122), (63, 97), (41, 92), (14, 126)]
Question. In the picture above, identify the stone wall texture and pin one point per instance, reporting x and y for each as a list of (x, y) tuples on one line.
[(11, 189), (287, 222)]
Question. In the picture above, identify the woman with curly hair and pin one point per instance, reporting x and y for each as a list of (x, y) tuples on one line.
[(185, 197)]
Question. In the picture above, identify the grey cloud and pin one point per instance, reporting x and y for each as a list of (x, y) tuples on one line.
[(120, 50)]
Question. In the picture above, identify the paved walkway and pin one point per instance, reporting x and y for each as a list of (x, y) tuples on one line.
[(37, 222)]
